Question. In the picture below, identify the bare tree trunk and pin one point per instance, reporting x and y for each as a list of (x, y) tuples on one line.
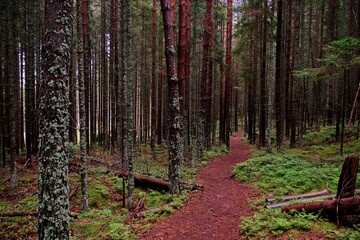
[(81, 10), (187, 80), (53, 207), (153, 84), (175, 139), (129, 87), (202, 125), (279, 91), (12, 59), (181, 63), (228, 85), (263, 80)]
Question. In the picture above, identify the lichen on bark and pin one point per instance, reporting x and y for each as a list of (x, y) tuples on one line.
[(53, 205)]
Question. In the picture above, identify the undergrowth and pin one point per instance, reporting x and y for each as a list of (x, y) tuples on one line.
[(106, 219), (294, 171)]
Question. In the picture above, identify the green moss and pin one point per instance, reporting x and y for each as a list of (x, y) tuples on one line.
[(119, 231), (99, 170), (276, 222), (25, 180), (28, 204), (155, 198), (324, 136), (117, 183), (98, 195), (282, 174)]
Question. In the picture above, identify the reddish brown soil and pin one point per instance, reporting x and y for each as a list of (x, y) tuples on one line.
[(215, 212)]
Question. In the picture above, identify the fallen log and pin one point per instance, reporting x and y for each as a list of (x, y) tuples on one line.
[(306, 195), (152, 210), (152, 183), (339, 207), (304, 200), (146, 182), (31, 214), (18, 214)]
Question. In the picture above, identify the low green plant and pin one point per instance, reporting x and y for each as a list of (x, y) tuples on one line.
[(155, 198), (276, 222), (325, 136), (349, 233), (286, 174), (99, 170), (117, 183), (98, 195)]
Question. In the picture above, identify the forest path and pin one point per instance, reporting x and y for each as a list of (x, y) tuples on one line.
[(215, 212)]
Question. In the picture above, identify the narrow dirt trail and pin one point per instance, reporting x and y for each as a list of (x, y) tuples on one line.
[(215, 212)]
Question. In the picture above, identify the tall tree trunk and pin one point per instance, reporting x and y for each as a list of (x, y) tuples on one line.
[(104, 138), (30, 102), (204, 85), (228, 85), (153, 82), (288, 41), (129, 88), (81, 10), (187, 80), (87, 67), (160, 96), (73, 85), (263, 80), (279, 90), (181, 62), (175, 139), (53, 208), (12, 59), (2, 96), (330, 37)]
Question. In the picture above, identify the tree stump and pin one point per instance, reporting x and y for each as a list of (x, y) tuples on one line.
[(347, 179)]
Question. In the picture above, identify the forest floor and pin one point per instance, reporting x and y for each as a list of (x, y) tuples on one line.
[(213, 213), (224, 209)]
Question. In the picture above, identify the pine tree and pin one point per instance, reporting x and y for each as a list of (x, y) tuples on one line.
[(53, 208), (175, 140)]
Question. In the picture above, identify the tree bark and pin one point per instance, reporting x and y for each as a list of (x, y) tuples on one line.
[(129, 88), (175, 138), (347, 179), (53, 219), (82, 9), (343, 207), (279, 90), (204, 85), (153, 83), (306, 195), (228, 85), (263, 79)]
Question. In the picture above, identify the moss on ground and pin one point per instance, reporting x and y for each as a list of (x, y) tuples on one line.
[(295, 171)]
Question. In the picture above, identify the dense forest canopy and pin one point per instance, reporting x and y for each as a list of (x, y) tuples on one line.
[(182, 73)]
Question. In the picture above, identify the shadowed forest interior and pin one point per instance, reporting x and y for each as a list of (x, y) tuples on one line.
[(109, 109)]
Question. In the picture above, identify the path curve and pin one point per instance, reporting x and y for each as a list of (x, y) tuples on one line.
[(215, 212)]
